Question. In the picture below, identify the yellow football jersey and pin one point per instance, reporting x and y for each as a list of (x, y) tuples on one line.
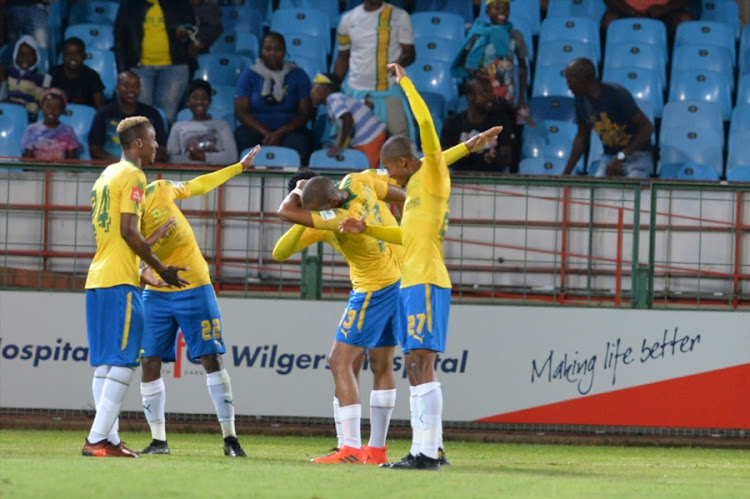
[(119, 189), (179, 246), (372, 263)]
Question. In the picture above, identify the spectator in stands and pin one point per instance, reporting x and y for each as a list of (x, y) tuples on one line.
[(103, 139), (364, 57), (744, 12), (672, 12), (208, 17), (50, 139), (481, 114), (272, 101), (25, 83), (611, 112), (152, 39), (358, 127), (201, 140), (81, 83), (28, 17)]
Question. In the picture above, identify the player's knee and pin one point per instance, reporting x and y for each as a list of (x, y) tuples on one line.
[(150, 369), (212, 362)]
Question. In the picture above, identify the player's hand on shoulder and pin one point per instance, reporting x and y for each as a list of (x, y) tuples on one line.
[(247, 159), (160, 233), (171, 276), (398, 70), (150, 279), (352, 226)]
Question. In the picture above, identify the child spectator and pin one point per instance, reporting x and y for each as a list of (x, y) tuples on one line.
[(201, 140), (25, 83), (50, 139), (81, 83), (358, 127)]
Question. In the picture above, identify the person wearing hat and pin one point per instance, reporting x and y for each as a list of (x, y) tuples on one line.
[(48, 138), (358, 127)]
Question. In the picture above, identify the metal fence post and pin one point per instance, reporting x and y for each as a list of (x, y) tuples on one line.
[(641, 287), (312, 275)]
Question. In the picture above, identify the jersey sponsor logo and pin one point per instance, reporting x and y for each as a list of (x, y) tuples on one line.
[(136, 194), (328, 214), (177, 185)]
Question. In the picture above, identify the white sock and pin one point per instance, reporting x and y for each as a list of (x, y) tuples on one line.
[(351, 416), (337, 422), (108, 409), (381, 409), (431, 412), (100, 376), (154, 397), (416, 425), (220, 389)]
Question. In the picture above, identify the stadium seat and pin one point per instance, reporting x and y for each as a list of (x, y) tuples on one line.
[(304, 21), (740, 118), (435, 76), (723, 11), (557, 52), (526, 11), (557, 108), (79, 118), (440, 24), (95, 36), (275, 156), (571, 28), (740, 174), (737, 156), (222, 98), (103, 62), (542, 166), (705, 58), (592, 9), (436, 48), (461, 8), (13, 122), (639, 30), (549, 81), (330, 7), (743, 60), (688, 171), (642, 83), (243, 18), (237, 42), (697, 114), (348, 159), (743, 89), (436, 104), (692, 145), (308, 46), (704, 33), (549, 138), (311, 67), (93, 12), (221, 69), (702, 85), (637, 55)]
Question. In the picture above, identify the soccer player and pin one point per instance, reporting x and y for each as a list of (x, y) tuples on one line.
[(193, 309), (425, 283), (114, 311)]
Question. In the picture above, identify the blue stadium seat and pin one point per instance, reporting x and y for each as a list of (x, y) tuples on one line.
[(697, 114), (79, 118), (436, 104), (93, 12), (303, 21), (526, 11), (308, 46), (557, 108), (311, 67), (548, 138), (705, 58), (103, 62), (688, 171), (703, 33), (593, 9), (221, 69), (744, 56), (740, 118), (275, 156), (462, 8), (222, 99), (639, 30), (637, 55), (435, 76), (689, 145), (95, 36), (237, 42), (13, 122), (549, 81), (737, 156), (743, 89), (436, 48), (723, 11), (242, 18), (330, 7), (557, 52), (348, 159), (440, 24), (642, 83), (702, 85), (542, 166), (739, 174), (571, 28)]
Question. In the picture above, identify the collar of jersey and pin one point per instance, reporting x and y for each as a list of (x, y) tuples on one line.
[(351, 194)]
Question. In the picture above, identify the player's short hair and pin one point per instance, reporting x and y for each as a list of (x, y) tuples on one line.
[(302, 174), (132, 128), (318, 191), (398, 146)]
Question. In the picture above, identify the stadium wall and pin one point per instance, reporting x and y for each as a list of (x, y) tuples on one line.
[(504, 364)]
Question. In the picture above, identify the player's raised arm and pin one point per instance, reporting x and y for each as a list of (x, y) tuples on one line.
[(206, 183), (427, 132)]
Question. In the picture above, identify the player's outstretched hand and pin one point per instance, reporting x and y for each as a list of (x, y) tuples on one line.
[(150, 279), (171, 276), (353, 226), (247, 160), (160, 232), (478, 142), (398, 70)]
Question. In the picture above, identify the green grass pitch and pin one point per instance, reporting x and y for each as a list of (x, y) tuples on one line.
[(49, 464)]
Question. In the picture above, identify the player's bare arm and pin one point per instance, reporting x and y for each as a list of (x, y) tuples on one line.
[(478, 142), (148, 278), (160, 232), (133, 237), (395, 195), (291, 209), (247, 160)]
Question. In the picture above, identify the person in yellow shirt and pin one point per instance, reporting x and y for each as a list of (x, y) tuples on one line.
[(114, 311), (192, 309), (425, 284)]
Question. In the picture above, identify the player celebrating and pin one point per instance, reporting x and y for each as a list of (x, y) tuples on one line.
[(193, 309)]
